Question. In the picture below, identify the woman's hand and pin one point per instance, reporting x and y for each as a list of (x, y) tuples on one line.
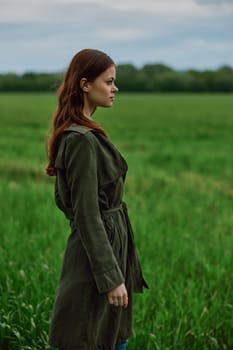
[(118, 296)]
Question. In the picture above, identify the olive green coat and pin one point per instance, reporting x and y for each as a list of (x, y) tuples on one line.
[(100, 253)]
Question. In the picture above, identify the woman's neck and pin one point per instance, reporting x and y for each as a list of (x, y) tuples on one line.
[(88, 109)]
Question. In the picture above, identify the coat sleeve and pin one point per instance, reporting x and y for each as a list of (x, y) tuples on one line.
[(81, 175)]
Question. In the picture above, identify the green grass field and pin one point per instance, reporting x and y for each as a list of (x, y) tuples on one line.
[(180, 198)]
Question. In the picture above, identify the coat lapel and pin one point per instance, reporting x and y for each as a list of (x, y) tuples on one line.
[(111, 162)]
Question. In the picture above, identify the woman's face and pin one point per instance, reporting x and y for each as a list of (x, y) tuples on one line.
[(101, 92)]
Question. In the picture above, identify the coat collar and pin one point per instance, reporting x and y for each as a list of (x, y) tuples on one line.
[(78, 128)]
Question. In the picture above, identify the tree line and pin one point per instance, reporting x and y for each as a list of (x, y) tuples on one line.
[(150, 78)]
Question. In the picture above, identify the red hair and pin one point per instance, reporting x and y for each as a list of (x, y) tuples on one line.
[(87, 64)]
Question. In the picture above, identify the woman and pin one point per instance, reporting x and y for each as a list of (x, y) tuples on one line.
[(100, 269)]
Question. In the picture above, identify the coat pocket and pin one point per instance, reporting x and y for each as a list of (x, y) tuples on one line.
[(117, 236), (109, 227)]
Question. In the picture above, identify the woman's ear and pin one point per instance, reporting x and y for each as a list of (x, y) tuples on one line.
[(84, 85)]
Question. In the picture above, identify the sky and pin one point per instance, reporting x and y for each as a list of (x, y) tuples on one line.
[(44, 35)]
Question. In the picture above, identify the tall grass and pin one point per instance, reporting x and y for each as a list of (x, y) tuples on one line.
[(179, 194)]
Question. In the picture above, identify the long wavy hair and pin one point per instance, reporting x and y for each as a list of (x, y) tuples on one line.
[(89, 64)]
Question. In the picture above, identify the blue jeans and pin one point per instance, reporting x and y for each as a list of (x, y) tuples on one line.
[(119, 346)]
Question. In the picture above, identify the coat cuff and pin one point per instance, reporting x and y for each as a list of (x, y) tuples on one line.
[(109, 280)]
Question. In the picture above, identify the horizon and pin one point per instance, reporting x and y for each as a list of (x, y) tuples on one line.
[(138, 67)]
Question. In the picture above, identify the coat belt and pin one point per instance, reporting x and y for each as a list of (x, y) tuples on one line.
[(121, 206), (114, 209)]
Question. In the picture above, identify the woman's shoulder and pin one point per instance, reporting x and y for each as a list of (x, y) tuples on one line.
[(75, 133), (78, 136), (76, 141)]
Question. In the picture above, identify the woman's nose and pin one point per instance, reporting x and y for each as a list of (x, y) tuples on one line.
[(115, 88)]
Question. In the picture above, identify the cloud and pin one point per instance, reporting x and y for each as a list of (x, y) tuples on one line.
[(151, 6), (14, 11), (27, 11), (214, 2), (43, 35), (121, 34), (190, 51)]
